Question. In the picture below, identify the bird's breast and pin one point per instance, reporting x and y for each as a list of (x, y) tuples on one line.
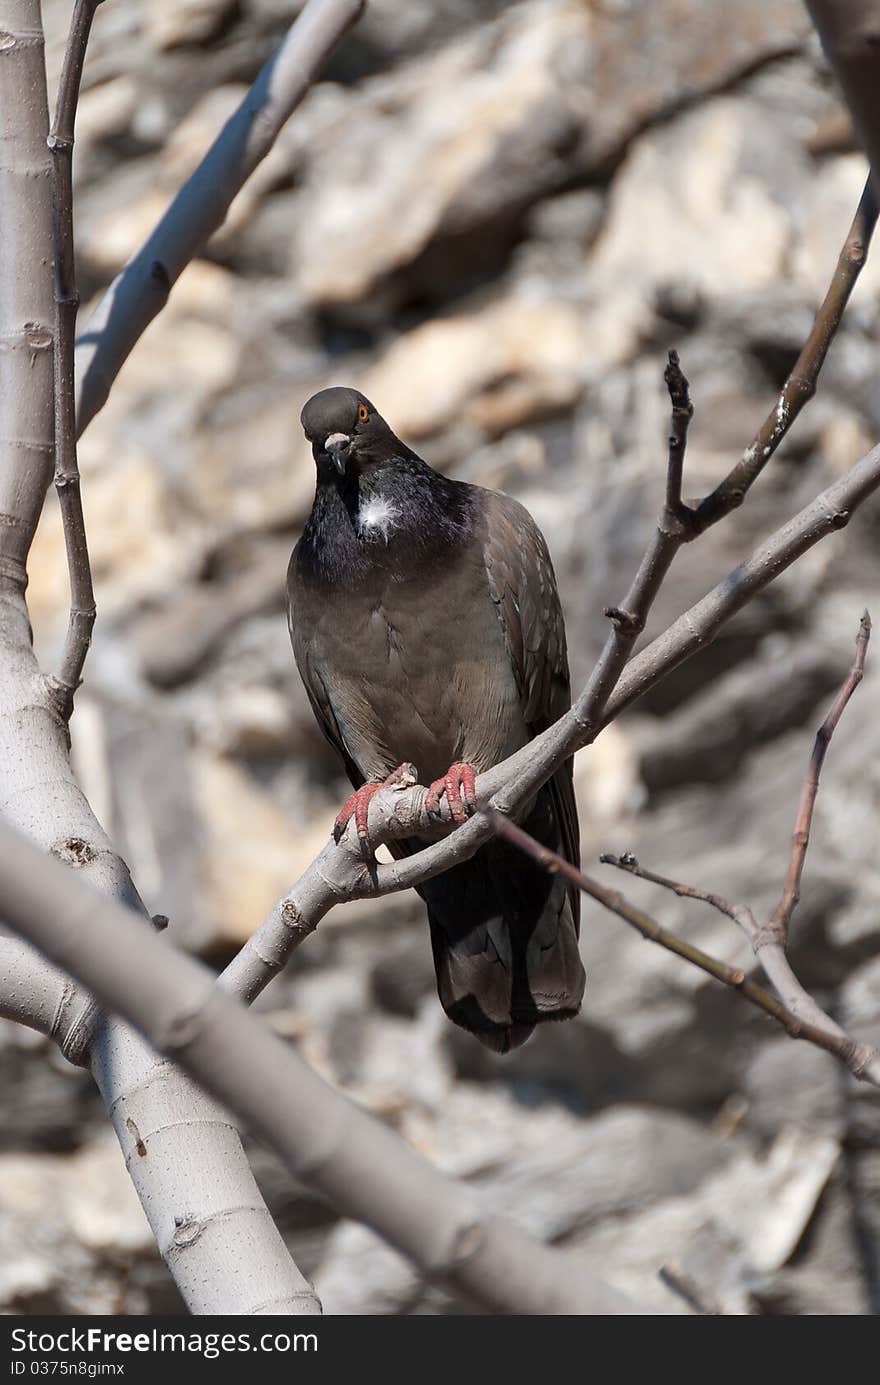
[(417, 670)]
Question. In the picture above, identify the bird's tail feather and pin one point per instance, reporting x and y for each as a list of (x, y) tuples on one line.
[(505, 938)]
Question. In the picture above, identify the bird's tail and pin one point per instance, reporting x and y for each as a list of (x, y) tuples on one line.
[(505, 937)]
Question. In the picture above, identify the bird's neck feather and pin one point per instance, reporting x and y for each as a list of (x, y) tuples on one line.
[(393, 515)]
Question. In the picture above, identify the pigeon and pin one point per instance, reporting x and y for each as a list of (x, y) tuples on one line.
[(427, 629)]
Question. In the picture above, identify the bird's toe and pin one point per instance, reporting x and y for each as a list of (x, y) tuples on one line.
[(458, 785), (356, 806)]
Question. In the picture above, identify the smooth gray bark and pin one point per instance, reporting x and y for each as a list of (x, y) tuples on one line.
[(364, 1169), (38, 792)]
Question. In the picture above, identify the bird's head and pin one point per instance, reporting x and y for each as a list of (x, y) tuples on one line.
[(345, 429)]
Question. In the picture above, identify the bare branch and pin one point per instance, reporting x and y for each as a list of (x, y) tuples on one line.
[(141, 290), (67, 481), (31, 991), (629, 863), (359, 1164), (800, 386), (26, 308), (769, 941), (832, 510), (800, 841), (862, 1060)]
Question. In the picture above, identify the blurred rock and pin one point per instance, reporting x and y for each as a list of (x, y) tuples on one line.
[(499, 368), (796, 1085), (743, 1223), (251, 853), (86, 1257), (694, 181), (400, 980), (170, 23), (709, 738)]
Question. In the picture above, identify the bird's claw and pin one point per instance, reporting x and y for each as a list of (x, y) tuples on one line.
[(357, 805), (459, 786)]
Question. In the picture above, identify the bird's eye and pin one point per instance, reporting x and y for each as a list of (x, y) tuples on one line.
[(363, 413)]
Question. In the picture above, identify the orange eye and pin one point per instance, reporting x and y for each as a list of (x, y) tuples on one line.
[(363, 413)]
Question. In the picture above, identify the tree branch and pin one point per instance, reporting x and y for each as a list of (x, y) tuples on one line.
[(682, 413), (67, 482), (26, 308), (360, 1165), (862, 1060), (141, 290), (800, 841), (769, 940), (630, 864), (32, 993)]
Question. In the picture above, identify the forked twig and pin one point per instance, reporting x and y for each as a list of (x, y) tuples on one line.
[(862, 1060), (769, 940)]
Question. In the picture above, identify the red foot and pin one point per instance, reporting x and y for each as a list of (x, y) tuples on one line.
[(357, 805), (458, 784)]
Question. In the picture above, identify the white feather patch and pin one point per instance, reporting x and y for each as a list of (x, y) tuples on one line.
[(377, 516)]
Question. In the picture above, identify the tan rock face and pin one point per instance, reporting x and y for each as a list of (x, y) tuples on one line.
[(170, 23), (683, 203), (251, 852), (493, 121), (496, 367)]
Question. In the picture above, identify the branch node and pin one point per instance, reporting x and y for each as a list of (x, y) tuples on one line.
[(627, 622)]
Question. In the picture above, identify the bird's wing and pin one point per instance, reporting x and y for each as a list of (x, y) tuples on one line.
[(314, 686), (523, 587)]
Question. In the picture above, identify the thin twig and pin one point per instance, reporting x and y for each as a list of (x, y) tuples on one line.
[(766, 946), (630, 864), (688, 523), (67, 481), (674, 528), (800, 841), (862, 1060), (768, 941), (800, 386), (682, 413)]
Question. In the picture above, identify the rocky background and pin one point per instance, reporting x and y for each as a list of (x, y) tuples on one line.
[(494, 219)]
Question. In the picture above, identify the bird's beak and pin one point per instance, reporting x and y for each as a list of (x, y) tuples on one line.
[(337, 446)]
